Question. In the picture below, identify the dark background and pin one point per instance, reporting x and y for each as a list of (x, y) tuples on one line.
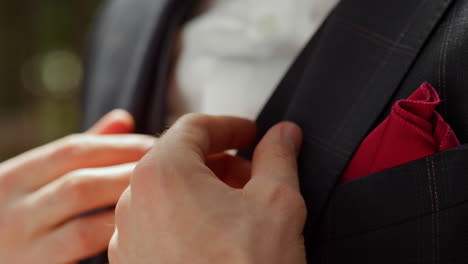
[(42, 45)]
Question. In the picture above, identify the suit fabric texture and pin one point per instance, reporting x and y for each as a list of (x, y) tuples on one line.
[(367, 55)]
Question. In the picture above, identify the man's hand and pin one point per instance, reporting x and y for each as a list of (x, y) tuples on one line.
[(43, 190), (188, 202)]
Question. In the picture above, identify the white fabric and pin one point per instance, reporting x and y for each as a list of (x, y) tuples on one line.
[(235, 53)]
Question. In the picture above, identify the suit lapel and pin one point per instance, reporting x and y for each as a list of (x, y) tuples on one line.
[(364, 50)]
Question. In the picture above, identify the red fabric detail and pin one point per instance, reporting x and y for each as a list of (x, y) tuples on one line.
[(412, 131)]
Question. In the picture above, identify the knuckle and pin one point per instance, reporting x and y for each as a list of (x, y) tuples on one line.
[(71, 147), (143, 172), (194, 120), (149, 175), (285, 197), (76, 189), (297, 207), (194, 128), (120, 210), (82, 239)]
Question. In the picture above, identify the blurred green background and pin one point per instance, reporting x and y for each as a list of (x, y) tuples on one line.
[(42, 45)]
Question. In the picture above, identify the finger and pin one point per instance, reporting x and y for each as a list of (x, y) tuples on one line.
[(182, 150), (275, 157), (77, 192), (206, 135), (74, 152), (232, 170), (115, 122), (77, 239)]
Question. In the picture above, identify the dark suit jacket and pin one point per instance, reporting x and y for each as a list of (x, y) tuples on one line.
[(367, 55)]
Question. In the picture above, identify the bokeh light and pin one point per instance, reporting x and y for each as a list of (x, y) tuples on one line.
[(42, 47), (60, 71)]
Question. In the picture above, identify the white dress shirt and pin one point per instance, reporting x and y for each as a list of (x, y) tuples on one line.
[(235, 53)]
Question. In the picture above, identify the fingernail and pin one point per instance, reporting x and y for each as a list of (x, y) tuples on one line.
[(292, 134)]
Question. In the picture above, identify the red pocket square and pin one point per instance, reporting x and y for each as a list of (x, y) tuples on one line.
[(412, 131)]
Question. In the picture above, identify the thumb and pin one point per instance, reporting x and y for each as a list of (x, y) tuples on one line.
[(275, 157), (115, 122)]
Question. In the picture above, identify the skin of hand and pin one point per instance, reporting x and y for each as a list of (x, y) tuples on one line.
[(43, 190), (189, 202)]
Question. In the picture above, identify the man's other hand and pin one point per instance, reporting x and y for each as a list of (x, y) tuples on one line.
[(43, 190)]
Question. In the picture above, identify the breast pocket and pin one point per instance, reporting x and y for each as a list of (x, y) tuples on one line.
[(414, 213)]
